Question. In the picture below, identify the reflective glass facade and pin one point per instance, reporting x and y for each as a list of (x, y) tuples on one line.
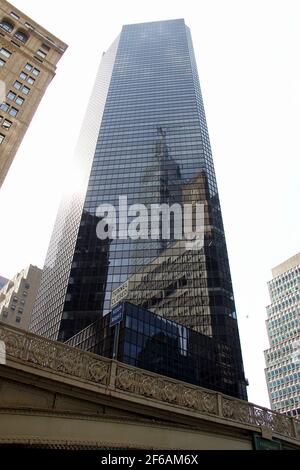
[(152, 342), (146, 139)]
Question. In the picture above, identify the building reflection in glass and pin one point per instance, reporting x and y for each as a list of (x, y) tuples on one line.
[(151, 342), (87, 281)]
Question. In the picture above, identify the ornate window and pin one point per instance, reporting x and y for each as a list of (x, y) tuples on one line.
[(6, 26), (21, 36)]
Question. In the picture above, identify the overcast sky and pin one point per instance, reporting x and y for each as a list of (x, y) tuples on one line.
[(248, 60)]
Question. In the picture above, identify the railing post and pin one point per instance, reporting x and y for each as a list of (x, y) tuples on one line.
[(252, 413), (294, 428), (113, 374), (219, 404)]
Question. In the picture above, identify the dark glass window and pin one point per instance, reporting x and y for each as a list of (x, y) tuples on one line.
[(25, 90), (19, 100), (5, 52), (11, 95), (13, 111), (14, 15), (41, 53), (17, 85), (6, 124), (4, 107), (6, 26), (21, 36)]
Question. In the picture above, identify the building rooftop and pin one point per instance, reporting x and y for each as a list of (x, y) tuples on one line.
[(286, 265)]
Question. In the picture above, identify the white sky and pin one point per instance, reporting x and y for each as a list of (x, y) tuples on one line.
[(247, 53)]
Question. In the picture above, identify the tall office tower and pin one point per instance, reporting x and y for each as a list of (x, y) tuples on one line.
[(144, 137), (17, 297), (28, 58), (283, 325)]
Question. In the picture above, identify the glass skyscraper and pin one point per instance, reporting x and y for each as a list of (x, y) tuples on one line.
[(144, 137)]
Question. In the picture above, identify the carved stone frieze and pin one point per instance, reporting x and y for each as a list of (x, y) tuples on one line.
[(98, 371), (166, 390), (15, 342), (36, 351)]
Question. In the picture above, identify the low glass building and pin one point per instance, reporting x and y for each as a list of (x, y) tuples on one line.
[(148, 341)]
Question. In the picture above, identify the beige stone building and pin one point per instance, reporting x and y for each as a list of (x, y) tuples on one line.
[(28, 58), (17, 297)]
